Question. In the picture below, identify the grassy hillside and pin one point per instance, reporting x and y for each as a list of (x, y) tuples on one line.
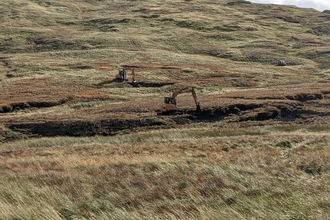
[(75, 144)]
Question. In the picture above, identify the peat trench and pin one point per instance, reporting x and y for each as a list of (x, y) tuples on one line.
[(27, 105), (114, 83), (111, 126)]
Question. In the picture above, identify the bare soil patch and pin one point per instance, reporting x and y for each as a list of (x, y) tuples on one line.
[(306, 105)]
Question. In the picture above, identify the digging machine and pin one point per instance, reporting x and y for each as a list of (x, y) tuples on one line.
[(169, 106), (122, 75)]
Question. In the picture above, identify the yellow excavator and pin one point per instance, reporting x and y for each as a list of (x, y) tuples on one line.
[(122, 76), (169, 106)]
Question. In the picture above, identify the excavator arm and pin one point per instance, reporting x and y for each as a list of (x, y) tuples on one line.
[(186, 90), (133, 74)]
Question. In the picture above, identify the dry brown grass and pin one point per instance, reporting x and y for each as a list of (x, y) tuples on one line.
[(145, 174), (63, 55)]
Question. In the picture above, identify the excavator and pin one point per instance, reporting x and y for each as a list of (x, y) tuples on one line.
[(169, 106), (121, 76)]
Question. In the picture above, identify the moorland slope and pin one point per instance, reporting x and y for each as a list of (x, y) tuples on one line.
[(77, 144)]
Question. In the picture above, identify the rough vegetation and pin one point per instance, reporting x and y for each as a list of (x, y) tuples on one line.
[(75, 144)]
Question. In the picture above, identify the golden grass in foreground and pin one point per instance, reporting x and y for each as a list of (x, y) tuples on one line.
[(168, 174)]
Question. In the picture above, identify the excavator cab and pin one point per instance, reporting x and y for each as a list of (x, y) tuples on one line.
[(169, 100), (121, 76)]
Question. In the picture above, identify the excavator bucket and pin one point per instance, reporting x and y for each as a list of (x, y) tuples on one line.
[(198, 108)]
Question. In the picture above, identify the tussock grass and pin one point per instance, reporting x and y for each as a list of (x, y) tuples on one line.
[(145, 174), (71, 50)]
